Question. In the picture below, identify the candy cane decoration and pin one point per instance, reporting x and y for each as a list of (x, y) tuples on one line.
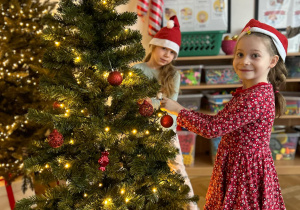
[(155, 16), (142, 7)]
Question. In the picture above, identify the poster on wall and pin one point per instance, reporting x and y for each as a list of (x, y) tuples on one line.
[(278, 13), (199, 15)]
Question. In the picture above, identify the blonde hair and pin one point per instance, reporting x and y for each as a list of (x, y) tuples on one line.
[(277, 75), (166, 76)]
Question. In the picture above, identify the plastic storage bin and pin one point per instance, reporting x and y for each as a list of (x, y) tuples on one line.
[(187, 144), (292, 103), (190, 75), (217, 102), (192, 102), (200, 43), (293, 66), (283, 144), (223, 74), (214, 143)]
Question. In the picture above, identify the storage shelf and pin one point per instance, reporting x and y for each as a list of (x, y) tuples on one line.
[(219, 57), (212, 60), (203, 166), (204, 86), (282, 117)]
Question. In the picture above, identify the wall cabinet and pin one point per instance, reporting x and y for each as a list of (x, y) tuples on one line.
[(203, 163)]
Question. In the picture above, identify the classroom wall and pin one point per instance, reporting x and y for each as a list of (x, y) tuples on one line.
[(241, 12)]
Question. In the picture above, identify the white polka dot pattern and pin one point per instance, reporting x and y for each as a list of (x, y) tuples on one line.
[(244, 175)]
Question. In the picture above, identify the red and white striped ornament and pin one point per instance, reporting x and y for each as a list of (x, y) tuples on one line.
[(155, 16), (142, 7)]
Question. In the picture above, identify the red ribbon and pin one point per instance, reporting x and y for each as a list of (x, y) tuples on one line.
[(10, 194)]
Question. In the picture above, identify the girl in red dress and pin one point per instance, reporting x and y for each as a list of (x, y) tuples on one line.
[(244, 175)]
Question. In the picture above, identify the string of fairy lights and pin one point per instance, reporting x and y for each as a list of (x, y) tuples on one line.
[(15, 63), (108, 200)]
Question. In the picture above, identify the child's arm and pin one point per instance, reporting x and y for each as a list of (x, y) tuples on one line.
[(171, 106), (237, 113), (156, 101), (176, 86)]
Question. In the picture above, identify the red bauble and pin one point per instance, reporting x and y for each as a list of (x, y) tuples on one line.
[(166, 121), (56, 105), (103, 160), (146, 109), (115, 78), (55, 139)]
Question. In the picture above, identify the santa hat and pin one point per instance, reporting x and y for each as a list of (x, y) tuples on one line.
[(169, 36), (278, 38)]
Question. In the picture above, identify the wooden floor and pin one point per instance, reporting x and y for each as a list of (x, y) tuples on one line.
[(290, 186)]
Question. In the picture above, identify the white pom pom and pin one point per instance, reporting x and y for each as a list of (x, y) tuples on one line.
[(170, 24)]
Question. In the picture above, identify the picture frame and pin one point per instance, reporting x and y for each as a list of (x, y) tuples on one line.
[(195, 15), (278, 13)]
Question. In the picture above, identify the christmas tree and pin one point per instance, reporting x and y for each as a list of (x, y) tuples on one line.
[(106, 148), (21, 51)]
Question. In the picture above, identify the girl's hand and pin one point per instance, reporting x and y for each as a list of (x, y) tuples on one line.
[(149, 100), (173, 107)]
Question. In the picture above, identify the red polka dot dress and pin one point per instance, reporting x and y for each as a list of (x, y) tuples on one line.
[(244, 175)]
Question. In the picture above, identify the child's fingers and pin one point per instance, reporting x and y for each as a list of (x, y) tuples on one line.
[(149, 100), (163, 102)]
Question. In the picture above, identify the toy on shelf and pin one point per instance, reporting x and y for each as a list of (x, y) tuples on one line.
[(292, 102), (283, 143), (222, 74), (218, 100), (187, 145), (191, 102), (190, 75), (214, 143)]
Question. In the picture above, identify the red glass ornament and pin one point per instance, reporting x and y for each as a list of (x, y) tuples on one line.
[(166, 121), (146, 109), (56, 105), (115, 78), (55, 139), (103, 160)]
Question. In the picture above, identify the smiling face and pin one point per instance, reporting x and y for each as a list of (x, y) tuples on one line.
[(161, 56), (253, 60)]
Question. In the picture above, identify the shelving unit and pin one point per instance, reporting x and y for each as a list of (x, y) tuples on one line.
[(203, 164), (204, 86)]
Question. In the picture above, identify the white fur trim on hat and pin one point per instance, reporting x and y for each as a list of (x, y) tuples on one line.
[(275, 39), (165, 43)]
